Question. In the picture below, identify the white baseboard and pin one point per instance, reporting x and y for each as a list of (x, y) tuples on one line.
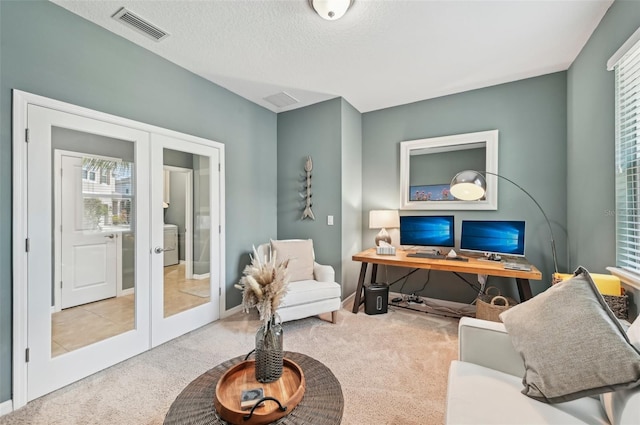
[(231, 311), (201, 276), (6, 407), (348, 299), (129, 291)]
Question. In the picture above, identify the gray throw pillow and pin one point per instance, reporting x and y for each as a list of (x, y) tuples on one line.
[(571, 343)]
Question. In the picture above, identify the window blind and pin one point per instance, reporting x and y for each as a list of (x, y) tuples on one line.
[(627, 159)]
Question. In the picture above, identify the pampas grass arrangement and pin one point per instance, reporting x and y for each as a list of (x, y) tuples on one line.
[(264, 284)]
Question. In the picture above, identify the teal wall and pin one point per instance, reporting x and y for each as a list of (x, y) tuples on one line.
[(49, 51), (591, 143), (531, 118), (316, 131)]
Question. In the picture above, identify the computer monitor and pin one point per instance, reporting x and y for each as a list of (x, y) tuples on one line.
[(427, 230), (495, 237)]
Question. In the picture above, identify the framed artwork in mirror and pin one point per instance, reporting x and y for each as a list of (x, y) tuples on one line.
[(428, 165)]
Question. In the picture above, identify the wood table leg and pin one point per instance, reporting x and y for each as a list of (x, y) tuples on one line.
[(524, 289), (374, 273), (359, 298)]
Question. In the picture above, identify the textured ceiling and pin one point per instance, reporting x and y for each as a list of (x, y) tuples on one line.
[(382, 53)]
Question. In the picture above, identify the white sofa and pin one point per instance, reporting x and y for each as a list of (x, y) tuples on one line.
[(485, 386), (309, 297)]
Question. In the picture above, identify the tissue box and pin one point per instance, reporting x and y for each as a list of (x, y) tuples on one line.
[(386, 250)]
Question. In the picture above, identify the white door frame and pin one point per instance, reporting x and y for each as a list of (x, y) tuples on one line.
[(188, 219), (21, 100)]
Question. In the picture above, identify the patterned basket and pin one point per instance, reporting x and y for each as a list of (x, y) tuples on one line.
[(618, 304)]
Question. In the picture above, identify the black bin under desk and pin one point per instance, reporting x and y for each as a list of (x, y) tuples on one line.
[(376, 298)]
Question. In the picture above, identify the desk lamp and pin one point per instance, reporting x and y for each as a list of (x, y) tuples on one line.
[(470, 185), (383, 220)]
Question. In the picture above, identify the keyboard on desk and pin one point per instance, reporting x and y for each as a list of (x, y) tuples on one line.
[(456, 258), (516, 266), (425, 255)]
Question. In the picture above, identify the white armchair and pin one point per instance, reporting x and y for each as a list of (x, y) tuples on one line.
[(312, 288)]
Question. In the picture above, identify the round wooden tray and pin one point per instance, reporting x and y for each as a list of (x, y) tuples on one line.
[(288, 390)]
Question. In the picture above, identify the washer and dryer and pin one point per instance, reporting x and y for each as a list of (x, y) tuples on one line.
[(170, 245)]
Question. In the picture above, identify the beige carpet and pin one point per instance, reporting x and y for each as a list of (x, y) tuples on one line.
[(392, 368)]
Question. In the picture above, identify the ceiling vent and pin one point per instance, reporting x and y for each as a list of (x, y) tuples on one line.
[(137, 23), (281, 99)]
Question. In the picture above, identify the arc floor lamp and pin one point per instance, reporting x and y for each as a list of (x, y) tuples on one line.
[(470, 185)]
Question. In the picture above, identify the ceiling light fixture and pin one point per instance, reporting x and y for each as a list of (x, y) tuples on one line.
[(331, 9)]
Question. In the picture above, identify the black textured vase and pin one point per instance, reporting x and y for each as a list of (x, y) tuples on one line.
[(269, 352)]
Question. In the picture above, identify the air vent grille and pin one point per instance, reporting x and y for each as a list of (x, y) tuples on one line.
[(281, 99), (137, 23)]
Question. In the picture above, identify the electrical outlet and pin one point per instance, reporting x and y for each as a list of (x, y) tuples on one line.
[(329, 220)]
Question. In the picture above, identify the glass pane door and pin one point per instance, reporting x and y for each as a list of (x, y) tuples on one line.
[(185, 264), (88, 269)]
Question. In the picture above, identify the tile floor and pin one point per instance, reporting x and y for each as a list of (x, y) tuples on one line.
[(76, 327)]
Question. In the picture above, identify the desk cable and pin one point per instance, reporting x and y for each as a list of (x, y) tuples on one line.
[(405, 277)]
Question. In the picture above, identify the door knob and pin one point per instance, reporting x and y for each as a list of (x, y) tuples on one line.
[(111, 236), (158, 250)]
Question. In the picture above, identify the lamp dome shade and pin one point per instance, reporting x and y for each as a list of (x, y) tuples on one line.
[(468, 185), (380, 219), (331, 9)]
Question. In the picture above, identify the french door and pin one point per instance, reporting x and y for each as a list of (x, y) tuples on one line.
[(97, 205), (185, 295), (58, 352)]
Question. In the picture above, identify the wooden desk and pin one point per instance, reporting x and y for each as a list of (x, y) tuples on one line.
[(473, 266)]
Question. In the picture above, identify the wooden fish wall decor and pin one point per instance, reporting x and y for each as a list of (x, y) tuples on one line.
[(307, 213)]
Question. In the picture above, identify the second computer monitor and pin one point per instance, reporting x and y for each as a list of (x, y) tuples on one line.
[(495, 237)]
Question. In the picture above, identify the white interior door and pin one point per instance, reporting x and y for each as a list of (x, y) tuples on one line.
[(50, 367), (183, 302), (89, 263)]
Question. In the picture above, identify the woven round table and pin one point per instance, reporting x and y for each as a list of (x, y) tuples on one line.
[(322, 403)]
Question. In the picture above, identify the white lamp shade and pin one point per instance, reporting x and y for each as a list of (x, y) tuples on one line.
[(380, 219), (468, 186), (330, 9)]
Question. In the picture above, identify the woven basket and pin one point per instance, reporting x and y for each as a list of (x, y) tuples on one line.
[(619, 304), (489, 306)]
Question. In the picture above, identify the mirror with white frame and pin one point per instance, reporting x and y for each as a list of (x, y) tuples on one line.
[(428, 165)]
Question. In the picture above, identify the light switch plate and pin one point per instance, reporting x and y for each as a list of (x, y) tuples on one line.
[(329, 220)]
